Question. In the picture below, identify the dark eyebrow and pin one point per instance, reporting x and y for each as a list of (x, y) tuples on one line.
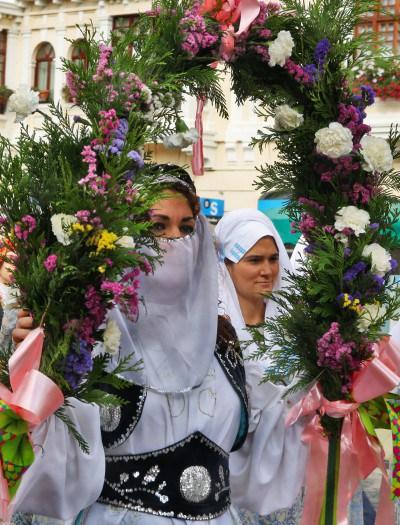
[(165, 217)]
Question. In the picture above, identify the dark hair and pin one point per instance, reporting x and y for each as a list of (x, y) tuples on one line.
[(173, 177)]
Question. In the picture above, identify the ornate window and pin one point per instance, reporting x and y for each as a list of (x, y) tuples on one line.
[(78, 54), (44, 71), (384, 23), (121, 23), (3, 52)]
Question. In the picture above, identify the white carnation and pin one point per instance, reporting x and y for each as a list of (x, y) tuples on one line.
[(111, 337), (287, 118), (341, 237), (126, 241), (376, 154), (352, 217), (380, 258), (371, 313), (61, 226), (24, 102), (334, 141), (182, 139), (280, 49)]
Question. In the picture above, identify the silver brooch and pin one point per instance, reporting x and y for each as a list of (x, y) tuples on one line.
[(195, 484), (110, 418)]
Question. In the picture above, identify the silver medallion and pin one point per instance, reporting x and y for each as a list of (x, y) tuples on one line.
[(195, 484), (110, 418)]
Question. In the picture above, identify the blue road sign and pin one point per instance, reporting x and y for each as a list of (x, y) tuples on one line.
[(212, 207)]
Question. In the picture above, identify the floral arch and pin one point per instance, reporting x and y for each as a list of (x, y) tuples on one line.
[(296, 63)]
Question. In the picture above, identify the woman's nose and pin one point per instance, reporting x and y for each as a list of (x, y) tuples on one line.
[(266, 268)]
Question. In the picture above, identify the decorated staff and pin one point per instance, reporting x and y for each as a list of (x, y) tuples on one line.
[(296, 63)]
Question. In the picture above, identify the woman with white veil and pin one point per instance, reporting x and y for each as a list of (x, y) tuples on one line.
[(267, 473)]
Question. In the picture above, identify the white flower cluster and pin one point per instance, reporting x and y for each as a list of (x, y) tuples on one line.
[(371, 313), (376, 154), (280, 49), (352, 217), (61, 226), (287, 118), (380, 258), (334, 141), (24, 102), (111, 337), (182, 139), (126, 241)]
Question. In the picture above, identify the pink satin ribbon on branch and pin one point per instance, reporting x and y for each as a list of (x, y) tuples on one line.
[(34, 397), (197, 148), (228, 14), (360, 453)]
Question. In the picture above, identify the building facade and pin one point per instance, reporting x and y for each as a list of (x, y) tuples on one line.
[(35, 34)]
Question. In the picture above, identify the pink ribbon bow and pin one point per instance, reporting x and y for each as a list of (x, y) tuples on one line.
[(360, 453), (227, 13), (34, 397)]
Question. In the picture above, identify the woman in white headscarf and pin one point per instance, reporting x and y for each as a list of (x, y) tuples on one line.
[(166, 451), (267, 472)]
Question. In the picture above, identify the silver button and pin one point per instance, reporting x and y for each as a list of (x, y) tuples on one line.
[(195, 484), (110, 418)]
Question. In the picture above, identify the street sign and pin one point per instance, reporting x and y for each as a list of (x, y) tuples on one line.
[(212, 207)]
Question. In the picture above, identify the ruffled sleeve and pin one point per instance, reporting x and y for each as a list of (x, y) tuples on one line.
[(63, 480), (267, 472)]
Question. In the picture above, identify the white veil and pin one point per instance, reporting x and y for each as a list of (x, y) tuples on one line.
[(176, 330), (235, 234)]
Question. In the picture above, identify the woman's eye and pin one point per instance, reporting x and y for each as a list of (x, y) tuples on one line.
[(158, 226), (187, 229), (274, 258)]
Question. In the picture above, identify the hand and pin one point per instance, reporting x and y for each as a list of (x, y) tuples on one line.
[(23, 327)]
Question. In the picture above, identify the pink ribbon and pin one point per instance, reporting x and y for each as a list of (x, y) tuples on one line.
[(360, 453), (197, 148), (33, 396), (227, 13)]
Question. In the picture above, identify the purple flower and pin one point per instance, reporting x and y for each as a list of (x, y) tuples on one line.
[(122, 130), (311, 72), (354, 271), (374, 225), (78, 363), (321, 51), (379, 282), (137, 158), (347, 252), (393, 264), (50, 263), (310, 248), (368, 95)]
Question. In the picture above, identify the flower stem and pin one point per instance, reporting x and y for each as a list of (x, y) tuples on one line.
[(328, 515)]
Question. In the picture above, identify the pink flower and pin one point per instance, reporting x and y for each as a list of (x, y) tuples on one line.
[(50, 263), (25, 227)]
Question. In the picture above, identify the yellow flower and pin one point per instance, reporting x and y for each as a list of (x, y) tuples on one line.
[(103, 240), (78, 227), (102, 268)]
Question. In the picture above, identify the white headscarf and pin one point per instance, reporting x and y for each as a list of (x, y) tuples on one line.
[(298, 255), (235, 234), (176, 331)]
